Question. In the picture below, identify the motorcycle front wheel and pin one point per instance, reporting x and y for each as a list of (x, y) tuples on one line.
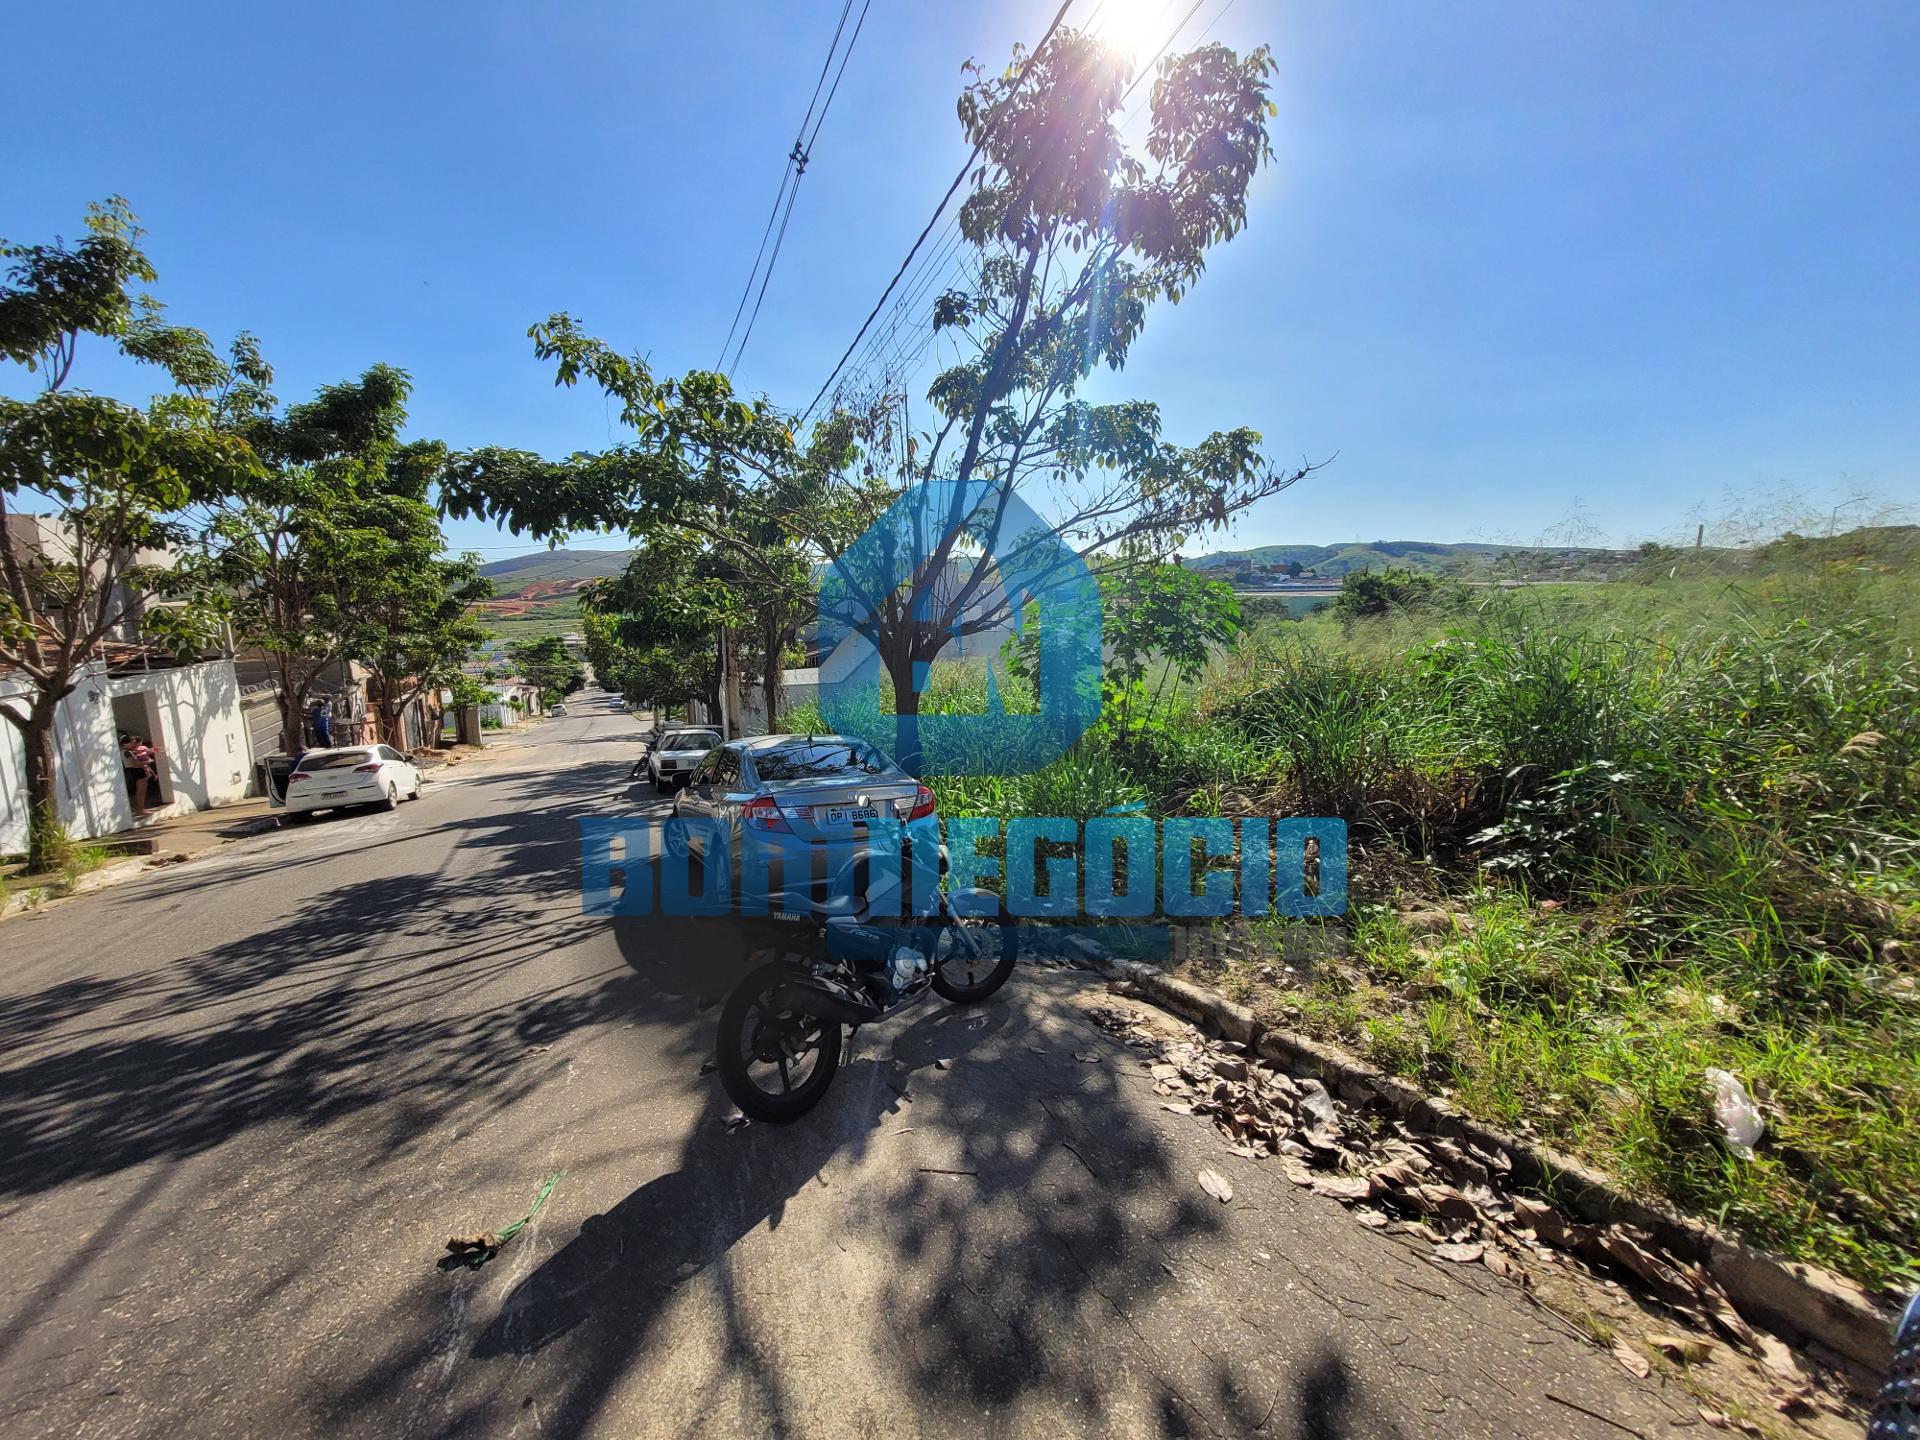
[(973, 957), (774, 1062)]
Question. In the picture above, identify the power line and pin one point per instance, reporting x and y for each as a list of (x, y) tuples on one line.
[(939, 210), (1166, 45), (785, 176), (789, 191), (889, 353)]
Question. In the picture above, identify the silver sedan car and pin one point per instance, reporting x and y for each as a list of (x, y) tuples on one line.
[(775, 795)]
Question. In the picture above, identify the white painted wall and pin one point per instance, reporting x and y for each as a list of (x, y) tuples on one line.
[(203, 732), (202, 736)]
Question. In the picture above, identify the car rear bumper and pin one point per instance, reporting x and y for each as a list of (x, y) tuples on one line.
[(333, 797), (825, 891)]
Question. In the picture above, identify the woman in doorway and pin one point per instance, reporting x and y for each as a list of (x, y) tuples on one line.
[(137, 764)]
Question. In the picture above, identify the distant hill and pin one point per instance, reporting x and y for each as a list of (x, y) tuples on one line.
[(551, 572), (1423, 557)]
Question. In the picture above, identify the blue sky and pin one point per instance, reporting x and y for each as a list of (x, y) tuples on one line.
[(1516, 262)]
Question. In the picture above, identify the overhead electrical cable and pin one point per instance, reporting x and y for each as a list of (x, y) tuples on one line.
[(783, 200), (939, 210)]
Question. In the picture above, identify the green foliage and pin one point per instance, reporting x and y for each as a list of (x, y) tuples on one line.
[(1072, 251), (1338, 726), (118, 476), (465, 691), (1718, 785), (1364, 593), (333, 548), (651, 631), (548, 663)]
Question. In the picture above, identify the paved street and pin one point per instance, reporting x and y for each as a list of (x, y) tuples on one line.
[(245, 1100)]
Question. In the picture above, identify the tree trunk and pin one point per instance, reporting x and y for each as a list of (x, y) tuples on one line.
[(773, 641), (906, 717), (293, 708), (43, 812)]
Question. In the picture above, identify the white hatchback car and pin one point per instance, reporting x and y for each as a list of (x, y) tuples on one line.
[(355, 775)]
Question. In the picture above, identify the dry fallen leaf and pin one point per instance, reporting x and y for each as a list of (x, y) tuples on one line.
[(1216, 1185), (1501, 1265), (1341, 1187), (1686, 1349), (1631, 1360), (1372, 1219), (1461, 1253), (1092, 1057)]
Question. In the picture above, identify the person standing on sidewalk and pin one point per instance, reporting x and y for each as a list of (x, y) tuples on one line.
[(322, 717), (137, 765)]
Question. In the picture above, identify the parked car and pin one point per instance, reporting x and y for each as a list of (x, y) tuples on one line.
[(769, 793), (556, 710), (679, 749), (355, 775)]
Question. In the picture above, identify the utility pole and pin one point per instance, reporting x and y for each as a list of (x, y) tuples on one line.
[(1699, 534), (726, 708)]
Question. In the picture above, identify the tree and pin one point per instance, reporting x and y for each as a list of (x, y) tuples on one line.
[(1365, 593), (651, 630), (549, 664), (118, 476), (1149, 613), (1074, 237), (705, 467), (1161, 613), (412, 624), (331, 539)]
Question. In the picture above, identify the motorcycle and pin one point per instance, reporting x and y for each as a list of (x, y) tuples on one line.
[(781, 1027)]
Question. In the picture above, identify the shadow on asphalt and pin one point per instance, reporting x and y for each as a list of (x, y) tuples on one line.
[(998, 1285), (165, 1061)]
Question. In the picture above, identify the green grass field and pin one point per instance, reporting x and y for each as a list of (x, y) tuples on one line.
[(1670, 823)]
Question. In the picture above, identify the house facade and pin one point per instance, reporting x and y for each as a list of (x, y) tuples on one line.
[(192, 716)]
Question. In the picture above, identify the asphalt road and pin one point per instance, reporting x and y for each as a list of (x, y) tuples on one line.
[(244, 1101)]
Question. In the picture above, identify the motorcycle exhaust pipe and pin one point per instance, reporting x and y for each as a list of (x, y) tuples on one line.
[(826, 1004)]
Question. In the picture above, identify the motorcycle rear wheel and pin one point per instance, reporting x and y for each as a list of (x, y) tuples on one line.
[(774, 1063)]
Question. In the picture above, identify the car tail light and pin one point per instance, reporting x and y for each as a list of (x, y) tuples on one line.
[(373, 769), (762, 814), (917, 808), (298, 775)]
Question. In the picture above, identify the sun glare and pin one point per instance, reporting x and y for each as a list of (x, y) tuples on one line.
[(1133, 27)]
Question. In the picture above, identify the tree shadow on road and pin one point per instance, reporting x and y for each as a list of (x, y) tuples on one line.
[(995, 1268), (403, 995)]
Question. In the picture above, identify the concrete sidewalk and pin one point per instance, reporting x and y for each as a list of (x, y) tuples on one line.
[(176, 838)]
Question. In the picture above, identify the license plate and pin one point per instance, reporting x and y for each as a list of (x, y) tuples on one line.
[(333, 794), (848, 814)]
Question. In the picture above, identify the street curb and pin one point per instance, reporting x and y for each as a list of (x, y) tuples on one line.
[(1791, 1298)]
